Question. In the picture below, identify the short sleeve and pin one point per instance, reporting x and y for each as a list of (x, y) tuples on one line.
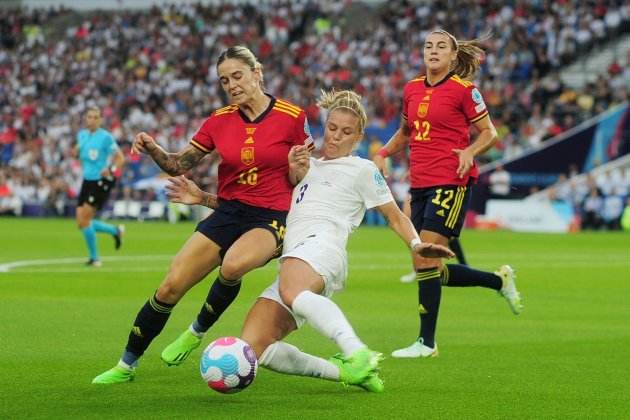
[(473, 104), (302, 130), (112, 144), (202, 139), (372, 187), (405, 104)]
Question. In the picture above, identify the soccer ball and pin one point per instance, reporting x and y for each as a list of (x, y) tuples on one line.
[(228, 365)]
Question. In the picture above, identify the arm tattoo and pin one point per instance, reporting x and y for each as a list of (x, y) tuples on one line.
[(178, 163)]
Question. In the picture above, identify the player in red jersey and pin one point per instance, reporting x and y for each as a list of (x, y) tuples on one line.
[(253, 137), (438, 110)]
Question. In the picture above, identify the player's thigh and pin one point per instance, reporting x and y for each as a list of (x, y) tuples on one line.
[(296, 276), (251, 250), (84, 214), (266, 323), (198, 257)]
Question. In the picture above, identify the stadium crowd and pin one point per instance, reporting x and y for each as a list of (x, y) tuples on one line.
[(152, 71)]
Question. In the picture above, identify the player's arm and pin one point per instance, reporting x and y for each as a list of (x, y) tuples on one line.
[(182, 190), (118, 161), (172, 163), (403, 227), (396, 143), (485, 140), (299, 163)]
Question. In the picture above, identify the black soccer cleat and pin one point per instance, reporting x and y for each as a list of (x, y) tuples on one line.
[(120, 231)]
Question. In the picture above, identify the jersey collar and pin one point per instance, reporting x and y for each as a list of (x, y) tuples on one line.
[(448, 76), (261, 116)]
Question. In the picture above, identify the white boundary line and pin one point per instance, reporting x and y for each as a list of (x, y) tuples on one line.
[(6, 267)]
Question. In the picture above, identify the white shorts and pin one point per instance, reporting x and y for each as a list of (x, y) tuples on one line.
[(325, 260)]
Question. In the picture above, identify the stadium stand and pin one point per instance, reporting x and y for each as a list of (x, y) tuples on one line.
[(153, 70)]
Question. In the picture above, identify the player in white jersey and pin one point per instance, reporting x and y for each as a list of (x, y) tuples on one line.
[(328, 203)]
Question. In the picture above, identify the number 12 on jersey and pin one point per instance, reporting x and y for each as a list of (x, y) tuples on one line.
[(422, 127)]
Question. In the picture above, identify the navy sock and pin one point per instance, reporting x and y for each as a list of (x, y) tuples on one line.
[(221, 295), (456, 247), (148, 325), (429, 294), (455, 275)]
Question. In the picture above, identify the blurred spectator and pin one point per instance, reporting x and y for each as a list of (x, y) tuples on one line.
[(591, 210), (500, 183), (612, 209)]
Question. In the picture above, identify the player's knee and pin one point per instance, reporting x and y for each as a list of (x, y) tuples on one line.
[(170, 291), (287, 294), (427, 263), (232, 269)]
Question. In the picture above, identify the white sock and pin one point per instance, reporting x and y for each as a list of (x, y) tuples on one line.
[(326, 317), (285, 358), (194, 332)]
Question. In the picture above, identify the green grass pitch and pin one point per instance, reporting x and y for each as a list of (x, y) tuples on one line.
[(566, 356)]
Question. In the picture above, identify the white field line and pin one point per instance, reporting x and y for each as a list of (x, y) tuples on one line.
[(6, 267)]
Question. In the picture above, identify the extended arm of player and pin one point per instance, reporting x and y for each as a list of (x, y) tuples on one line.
[(404, 228), (182, 190), (396, 143), (485, 140), (299, 163), (172, 163), (115, 169)]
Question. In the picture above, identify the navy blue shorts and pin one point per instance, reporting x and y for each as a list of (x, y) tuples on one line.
[(233, 218), (96, 193), (440, 209)]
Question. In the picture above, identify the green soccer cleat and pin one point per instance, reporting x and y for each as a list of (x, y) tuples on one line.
[(373, 383), (175, 353), (356, 369), (116, 375)]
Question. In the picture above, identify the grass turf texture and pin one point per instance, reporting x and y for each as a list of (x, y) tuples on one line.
[(566, 356)]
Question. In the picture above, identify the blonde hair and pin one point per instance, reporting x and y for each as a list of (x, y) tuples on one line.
[(245, 56), (344, 99), (469, 54)]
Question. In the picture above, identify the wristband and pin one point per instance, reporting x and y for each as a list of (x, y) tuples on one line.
[(414, 242), (383, 153), (115, 171)]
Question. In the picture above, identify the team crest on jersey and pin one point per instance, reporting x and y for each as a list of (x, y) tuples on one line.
[(423, 108), (378, 178), (247, 155), (478, 100)]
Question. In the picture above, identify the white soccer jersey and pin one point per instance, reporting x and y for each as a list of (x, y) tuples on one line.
[(332, 199)]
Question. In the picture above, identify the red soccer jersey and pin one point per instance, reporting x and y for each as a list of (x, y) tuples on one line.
[(439, 118), (254, 165)]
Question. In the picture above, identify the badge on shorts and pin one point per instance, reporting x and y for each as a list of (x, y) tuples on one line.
[(423, 107), (247, 155)]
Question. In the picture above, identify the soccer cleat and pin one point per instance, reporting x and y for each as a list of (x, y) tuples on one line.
[(120, 231), (373, 383), (508, 291), (93, 263), (408, 278), (356, 369), (175, 353), (417, 349), (116, 375)]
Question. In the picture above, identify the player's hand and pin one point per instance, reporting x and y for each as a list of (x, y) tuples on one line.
[(182, 190), (466, 161), (143, 143), (299, 157), (381, 164), (429, 250)]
